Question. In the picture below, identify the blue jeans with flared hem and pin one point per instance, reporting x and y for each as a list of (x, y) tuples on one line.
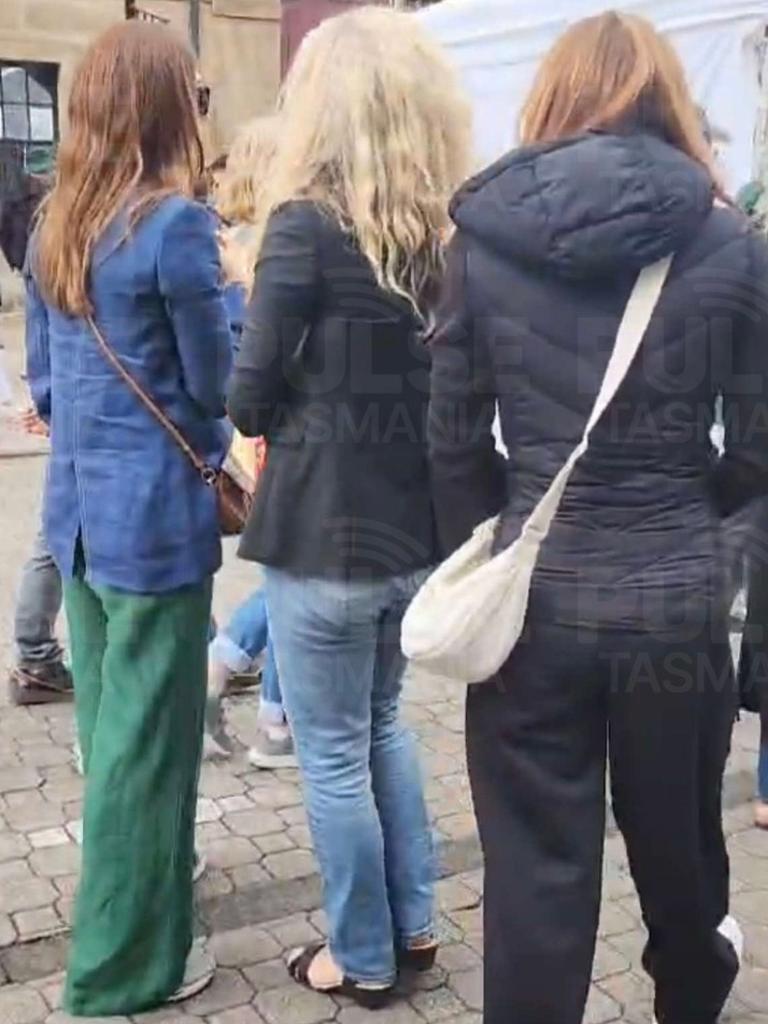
[(341, 670)]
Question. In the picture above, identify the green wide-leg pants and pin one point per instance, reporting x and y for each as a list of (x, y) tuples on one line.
[(139, 668)]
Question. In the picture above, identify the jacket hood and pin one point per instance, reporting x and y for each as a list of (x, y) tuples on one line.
[(595, 205)]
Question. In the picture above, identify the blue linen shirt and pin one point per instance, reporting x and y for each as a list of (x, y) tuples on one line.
[(117, 482)]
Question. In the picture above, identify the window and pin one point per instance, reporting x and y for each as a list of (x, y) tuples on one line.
[(28, 110)]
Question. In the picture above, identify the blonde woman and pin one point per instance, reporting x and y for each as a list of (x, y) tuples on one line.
[(333, 371)]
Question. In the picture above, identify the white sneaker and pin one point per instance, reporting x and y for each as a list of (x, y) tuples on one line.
[(198, 974), (730, 930), (273, 748)]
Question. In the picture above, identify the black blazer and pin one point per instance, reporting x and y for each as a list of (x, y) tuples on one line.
[(333, 372)]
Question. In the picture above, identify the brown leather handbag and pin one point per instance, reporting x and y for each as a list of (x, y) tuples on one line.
[(233, 497)]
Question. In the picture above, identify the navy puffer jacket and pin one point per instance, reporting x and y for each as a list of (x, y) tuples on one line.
[(549, 242)]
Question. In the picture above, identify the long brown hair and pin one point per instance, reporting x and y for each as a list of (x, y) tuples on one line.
[(614, 71), (133, 139)]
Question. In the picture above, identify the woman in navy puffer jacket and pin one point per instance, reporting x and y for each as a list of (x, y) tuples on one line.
[(626, 645)]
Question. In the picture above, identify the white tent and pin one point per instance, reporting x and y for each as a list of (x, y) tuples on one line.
[(497, 45)]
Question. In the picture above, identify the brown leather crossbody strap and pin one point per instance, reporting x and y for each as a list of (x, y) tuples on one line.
[(208, 473)]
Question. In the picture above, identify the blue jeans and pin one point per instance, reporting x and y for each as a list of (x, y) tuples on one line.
[(341, 669), (37, 608), (762, 770), (243, 640)]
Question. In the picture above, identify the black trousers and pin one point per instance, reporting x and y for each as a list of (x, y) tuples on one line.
[(537, 739)]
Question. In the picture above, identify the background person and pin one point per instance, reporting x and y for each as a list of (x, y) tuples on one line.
[(332, 371), (131, 525), (238, 645), (626, 647)]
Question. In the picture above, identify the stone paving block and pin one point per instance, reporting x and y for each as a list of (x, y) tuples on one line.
[(753, 843), (207, 811), (295, 1005), (22, 778), (34, 924), (247, 875), (275, 795), (601, 1008), (56, 861), (756, 945), (209, 832), (28, 812), (629, 989), (398, 1013), (291, 864), (65, 908), (7, 931), (273, 974), (614, 920), (608, 961), (439, 1005), (25, 895), (217, 782), (232, 852), (48, 837), (457, 957), (229, 989), (75, 830), (276, 842), (301, 837), (243, 947), (253, 823), (468, 986), (750, 907), (64, 791), (66, 885), (44, 754), (233, 804), (51, 989), (293, 931), (21, 1005), (293, 815), (15, 871), (241, 1015), (453, 894), (12, 846), (751, 988)]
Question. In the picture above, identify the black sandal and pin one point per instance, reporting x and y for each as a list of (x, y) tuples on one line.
[(300, 962), (419, 959)]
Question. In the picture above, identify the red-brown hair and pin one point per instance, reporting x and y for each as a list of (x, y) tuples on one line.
[(133, 139), (614, 72)]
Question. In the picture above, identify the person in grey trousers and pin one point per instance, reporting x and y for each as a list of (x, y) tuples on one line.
[(40, 675)]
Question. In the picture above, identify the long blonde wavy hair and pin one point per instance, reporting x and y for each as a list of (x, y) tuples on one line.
[(374, 127), (245, 176)]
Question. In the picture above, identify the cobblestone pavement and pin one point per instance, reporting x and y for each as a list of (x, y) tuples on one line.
[(261, 892)]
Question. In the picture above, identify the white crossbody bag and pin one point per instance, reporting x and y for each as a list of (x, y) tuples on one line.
[(466, 619)]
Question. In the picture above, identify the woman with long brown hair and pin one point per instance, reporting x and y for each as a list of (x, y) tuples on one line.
[(122, 252), (625, 647)]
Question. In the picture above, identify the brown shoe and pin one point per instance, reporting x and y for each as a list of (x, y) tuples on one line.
[(761, 814), (48, 683)]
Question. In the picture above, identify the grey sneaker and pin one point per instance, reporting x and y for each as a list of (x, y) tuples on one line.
[(273, 748), (198, 975)]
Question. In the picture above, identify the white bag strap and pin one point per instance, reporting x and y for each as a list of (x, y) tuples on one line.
[(634, 323)]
